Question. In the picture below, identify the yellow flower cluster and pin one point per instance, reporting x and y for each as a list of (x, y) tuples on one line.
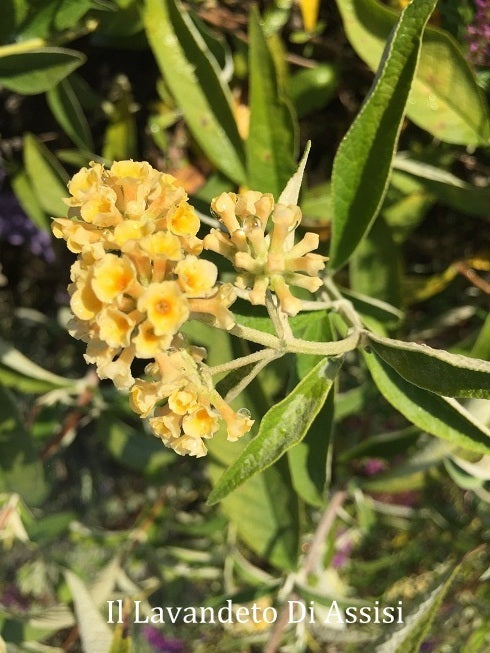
[(265, 260), (183, 404), (136, 281)]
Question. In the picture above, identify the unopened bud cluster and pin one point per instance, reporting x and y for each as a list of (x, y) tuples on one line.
[(265, 260), (137, 280)]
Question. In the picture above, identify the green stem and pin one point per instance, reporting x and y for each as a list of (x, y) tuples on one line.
[(341, 304), (244, 360), (295, 345), (240, 387), (254, 335)]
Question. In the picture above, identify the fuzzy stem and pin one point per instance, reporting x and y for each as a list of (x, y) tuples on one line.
[(274, 314), (234, 392), (297, 345), (244, 360)]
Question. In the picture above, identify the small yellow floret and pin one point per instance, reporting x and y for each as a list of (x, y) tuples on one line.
[(183, 220), (182, 401), (112, 276), (196, 276), (165, 306), (201, 423), (147, 343), (115, 327), (163, 244)]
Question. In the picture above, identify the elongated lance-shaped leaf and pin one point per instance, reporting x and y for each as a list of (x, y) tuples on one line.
[(444, 418), (46, 175), (362, 164), (450, 375), (193, 77), (375, 268), (38, 70), (408, 637), (449, 189), (19, 371), (95, 634), (22, 187), (309, 460), (445, 98), (67, 110), (283, 426), (271, 139)]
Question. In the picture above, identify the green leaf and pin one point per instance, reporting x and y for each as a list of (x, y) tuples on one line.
[(95, 634), (416, 626), (363, 161), (137, 451), (28, 199), (462, 478), (283, 426), (450, 375), (193, 76), (382, 445), (7, 27), (317, 204), (308, 460), (444, 418), (406, 204), (445, 98), (311, 89), (257, 318), (69, 12), (18, 371), (46, 529), (411, 473), (447, 188), (38, 70), (20, 468), (374, 309), (375, 268), (271, 139), (481, 348), (264, 509), (47, 177), (67, 110)]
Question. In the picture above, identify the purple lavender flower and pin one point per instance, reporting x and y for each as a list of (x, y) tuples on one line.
[(161, 643), (478, 34), (17, 229)]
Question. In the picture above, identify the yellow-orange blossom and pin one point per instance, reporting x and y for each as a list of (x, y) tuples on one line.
[(136, 280)]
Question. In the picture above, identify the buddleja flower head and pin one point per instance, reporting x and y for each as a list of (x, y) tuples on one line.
[(265, 260), (137, 279)]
